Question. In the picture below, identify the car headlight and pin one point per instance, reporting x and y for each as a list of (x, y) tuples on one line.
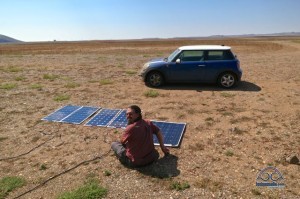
[(146, 65)]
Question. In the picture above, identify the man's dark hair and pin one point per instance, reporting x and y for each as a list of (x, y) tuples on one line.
[(136, 110)]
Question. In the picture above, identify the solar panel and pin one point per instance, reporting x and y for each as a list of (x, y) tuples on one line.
[(81, 114), (172, 133), (61, 113), (119, 121), (103, 118)]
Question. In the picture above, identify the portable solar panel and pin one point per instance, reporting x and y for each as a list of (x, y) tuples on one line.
[(119, 121), (61, 113), (172, 133), (103, 118), (81, 114)]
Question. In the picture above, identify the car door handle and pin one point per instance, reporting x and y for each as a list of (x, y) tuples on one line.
[(201, 65)]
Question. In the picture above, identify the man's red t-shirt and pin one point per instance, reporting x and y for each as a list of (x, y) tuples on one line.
[(138, 138)]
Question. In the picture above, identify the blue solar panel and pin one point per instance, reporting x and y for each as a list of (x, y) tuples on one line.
[(172, 132), (61, 113), (78, 116), (103, 118), (119, 121)]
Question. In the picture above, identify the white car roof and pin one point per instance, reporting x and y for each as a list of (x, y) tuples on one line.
[(205, 47)]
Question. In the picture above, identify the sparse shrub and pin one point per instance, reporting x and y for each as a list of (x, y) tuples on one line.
[(207, 183), (105, 82), (14, 69), (72, 85), (3, 138), (180, 186), (20, 78), (181, 116), (224, 94), (255, 192), (209, 119), (50, 77), (61, 97), (93, 81), (191, 111), (151, 93), (8, 86), (130, 72), (91, 190), (10, 183), (43, 167), (229, 153), (36, 86), (107, 173)]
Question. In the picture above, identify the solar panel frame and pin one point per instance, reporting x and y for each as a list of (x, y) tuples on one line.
[(81, 114), (61, 113), (169, 139), (119, 121), (103, 117)]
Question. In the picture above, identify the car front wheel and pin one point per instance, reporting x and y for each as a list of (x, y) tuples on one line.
[(227, 80), (155, 79)]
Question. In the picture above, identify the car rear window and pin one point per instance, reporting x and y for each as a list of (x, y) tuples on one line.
[(219, 55)]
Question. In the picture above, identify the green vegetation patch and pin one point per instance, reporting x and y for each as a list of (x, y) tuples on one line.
[(151, 93), (20, 78), (180, 186), (228, 95), (106, 82), (36, 86), (3, 138), (72, 85), (10, 183), (50, 77), (61, 97), (91, 190), (229, 153), (130, 72), (8, 86), (14, 69)]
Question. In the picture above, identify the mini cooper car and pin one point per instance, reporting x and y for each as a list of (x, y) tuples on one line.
[(194, 64)]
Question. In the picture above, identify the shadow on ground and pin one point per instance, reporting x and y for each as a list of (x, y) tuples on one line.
[(242, 86), (165, 167)]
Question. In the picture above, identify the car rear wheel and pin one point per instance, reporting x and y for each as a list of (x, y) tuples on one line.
[(155, 79), (227, 80)]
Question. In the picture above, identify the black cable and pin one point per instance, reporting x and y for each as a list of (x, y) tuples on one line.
[(63, 172), (9, 158)]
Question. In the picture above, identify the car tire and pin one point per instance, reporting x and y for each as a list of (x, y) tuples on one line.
[(227, 80), (155, 79)]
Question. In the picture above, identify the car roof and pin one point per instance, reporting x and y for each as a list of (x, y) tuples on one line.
[(205, 47)]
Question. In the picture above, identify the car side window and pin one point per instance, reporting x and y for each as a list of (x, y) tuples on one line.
[(191, 55), (219, 55)]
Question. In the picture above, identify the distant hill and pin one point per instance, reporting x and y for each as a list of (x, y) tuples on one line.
[(6, 39), (283, 34)]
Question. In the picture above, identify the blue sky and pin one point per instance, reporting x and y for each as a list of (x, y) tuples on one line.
[(47, 20)]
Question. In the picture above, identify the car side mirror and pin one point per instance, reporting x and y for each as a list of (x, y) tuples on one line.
[(178, 61)]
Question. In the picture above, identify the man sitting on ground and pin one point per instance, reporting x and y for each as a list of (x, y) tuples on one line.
[(136, 147)]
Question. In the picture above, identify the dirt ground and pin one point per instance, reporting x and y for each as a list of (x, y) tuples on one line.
[(230, 136)]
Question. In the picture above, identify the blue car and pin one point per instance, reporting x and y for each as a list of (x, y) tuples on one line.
[(194, 64)]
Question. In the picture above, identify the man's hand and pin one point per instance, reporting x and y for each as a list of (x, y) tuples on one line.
[(165, 150)]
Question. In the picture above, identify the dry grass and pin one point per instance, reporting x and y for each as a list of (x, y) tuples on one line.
[(230, 135)]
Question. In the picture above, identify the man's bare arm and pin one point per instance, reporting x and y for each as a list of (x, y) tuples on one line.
[(161, 143)]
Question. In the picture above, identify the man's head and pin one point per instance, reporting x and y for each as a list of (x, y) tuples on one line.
[(133, 114)]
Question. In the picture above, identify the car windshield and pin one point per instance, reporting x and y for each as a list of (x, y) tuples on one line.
[(173, 55)]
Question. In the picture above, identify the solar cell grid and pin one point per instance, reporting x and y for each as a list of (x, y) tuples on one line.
[(172, 132), (78, 116), (119, 121), (61, 113), (103, 118)]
